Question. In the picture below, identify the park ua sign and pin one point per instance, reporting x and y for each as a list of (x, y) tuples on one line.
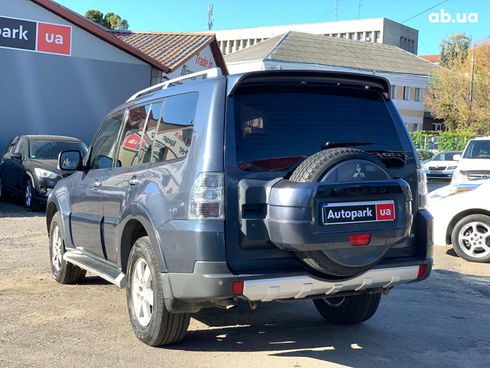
[(35, 36)]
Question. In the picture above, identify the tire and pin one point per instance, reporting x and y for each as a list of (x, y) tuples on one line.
[(152, 323), (313, 169), (62, 271), (348, 310), (30, 203), (471, 238)]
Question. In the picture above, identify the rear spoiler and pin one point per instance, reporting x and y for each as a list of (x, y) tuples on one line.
[(310, 76)]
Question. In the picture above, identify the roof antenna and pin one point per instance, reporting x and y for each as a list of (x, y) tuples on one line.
[(210, 17)]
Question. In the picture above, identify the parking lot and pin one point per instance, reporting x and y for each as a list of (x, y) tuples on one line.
[(441, 322)]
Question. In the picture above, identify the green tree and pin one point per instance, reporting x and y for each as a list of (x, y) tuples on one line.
[(454, 49), (110, 20), (459, 92)]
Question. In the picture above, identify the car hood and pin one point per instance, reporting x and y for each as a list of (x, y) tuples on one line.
[(474, 164), (441, 163)]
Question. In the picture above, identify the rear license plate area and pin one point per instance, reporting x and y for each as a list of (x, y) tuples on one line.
[(356, 212)]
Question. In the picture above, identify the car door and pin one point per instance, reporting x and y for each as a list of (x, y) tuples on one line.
[(6, 165), (123, 181), (86, 195), (16, 173)]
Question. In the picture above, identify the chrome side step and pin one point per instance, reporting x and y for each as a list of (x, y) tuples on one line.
[(97, 267)]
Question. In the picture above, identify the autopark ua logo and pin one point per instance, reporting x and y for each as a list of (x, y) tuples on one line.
[(445, 17), (35, 36)]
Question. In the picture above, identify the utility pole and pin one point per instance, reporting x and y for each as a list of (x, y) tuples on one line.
[(210, 17), (472, 75)]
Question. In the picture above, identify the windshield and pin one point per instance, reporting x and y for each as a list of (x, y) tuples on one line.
[(478, 149), (49, 150), (445, 156), (275, 129)]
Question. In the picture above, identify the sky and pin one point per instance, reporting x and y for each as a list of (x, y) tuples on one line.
[(191, 15)]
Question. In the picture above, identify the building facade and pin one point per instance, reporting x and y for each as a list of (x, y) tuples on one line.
[(407, 73), (377, 30)]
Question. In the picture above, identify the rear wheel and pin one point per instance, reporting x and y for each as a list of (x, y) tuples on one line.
[(348, 310), (152, 322), (471, 238), (339, 165)]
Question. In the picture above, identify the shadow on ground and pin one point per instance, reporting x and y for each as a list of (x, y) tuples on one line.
[(10, 208)]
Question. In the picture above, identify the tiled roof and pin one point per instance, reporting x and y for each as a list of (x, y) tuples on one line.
[(170, 49), (431, 58), (323, 50)]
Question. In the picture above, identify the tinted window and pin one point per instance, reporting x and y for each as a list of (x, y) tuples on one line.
[(174, 132), (150, 132), (49, 150), (478, 149), (280, 128), (132, 136), (104, 146)]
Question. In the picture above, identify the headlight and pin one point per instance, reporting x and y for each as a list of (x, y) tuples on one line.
[(45, 174), (422, 189), (451, 167)]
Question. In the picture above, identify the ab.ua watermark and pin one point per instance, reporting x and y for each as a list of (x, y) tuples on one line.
[(444, 17)]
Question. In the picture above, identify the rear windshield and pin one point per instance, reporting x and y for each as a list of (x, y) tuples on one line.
[(478, 149), (49, 150), (276, 129)]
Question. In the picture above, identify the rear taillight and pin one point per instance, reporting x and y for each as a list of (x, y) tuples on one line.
[(421, 272), (422, 189), (237, 287), (207, 197)]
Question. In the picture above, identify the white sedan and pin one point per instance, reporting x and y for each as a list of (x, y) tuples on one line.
[(462, 218)]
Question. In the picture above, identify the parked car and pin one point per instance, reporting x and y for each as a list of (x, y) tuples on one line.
[(271, 185), (462, 218), (474, 165), (28, 168), (442, 165)]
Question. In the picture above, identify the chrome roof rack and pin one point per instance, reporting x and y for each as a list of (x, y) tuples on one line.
[(208, 73)]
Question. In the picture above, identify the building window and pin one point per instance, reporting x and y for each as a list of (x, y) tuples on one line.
[(393, 91), (369, 36), (406, 93), (377, 36), (342, 35), (436, 126), (417, 94), (352, 36), (361, 36)]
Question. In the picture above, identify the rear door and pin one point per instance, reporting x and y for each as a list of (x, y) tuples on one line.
[(272, 128), (6, 165), (86, 194)]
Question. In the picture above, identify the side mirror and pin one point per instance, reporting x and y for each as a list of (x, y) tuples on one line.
[(457, 157), (16, 156), (70, 160)]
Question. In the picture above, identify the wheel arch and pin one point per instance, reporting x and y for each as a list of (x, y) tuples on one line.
[(461, 215), (134, 226)]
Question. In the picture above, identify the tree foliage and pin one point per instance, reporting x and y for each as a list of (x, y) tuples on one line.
[(454, 49), (446, 141), (110, 20), (459, 92)]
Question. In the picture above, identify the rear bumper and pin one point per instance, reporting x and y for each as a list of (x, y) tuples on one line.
[(211, 283)]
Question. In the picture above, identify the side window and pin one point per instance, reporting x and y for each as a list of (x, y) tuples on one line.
[(104, 146), (173, 136), (150, 132), (132, 136)]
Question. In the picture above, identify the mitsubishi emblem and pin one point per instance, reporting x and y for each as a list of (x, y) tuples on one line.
[(359, 174)]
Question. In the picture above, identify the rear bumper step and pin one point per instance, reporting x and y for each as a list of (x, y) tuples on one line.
[(299, 287)]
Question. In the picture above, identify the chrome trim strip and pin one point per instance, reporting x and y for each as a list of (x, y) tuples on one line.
[(298, 287)]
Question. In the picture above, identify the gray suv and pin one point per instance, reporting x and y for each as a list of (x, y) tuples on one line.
[(263, 186)]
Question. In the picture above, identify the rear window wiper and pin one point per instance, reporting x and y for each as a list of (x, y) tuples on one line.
[(331, 144)]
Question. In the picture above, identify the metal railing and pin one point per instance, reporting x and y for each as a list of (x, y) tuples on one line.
[(206, 74)]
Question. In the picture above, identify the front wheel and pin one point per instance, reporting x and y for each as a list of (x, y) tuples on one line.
[(30, 202), (152, 322), (348, 310), (471, 238)]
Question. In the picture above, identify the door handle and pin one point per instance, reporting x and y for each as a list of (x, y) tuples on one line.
[(133, 181), (97, 184)]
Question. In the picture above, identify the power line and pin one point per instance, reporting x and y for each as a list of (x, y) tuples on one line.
[(426, 10)]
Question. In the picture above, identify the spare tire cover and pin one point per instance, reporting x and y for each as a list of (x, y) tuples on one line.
[(341, 165)]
